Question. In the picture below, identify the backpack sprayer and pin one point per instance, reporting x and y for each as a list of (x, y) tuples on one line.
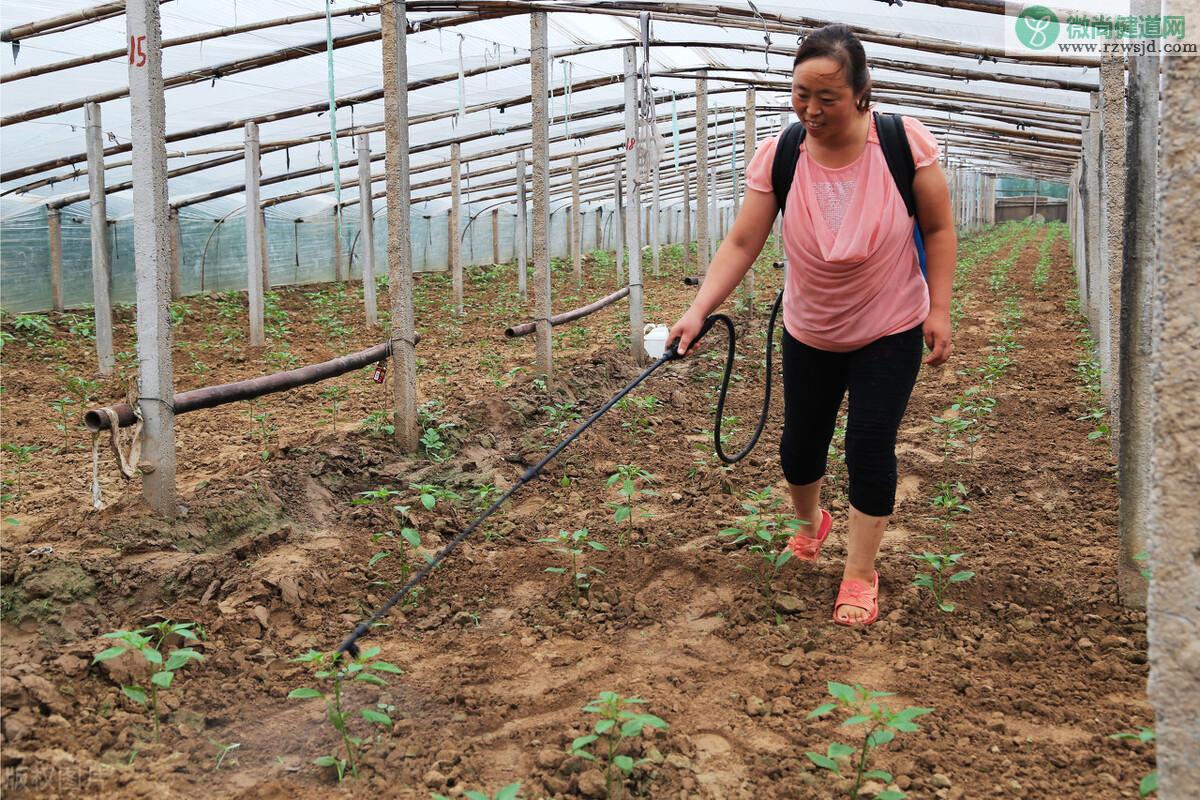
[(670, 353)]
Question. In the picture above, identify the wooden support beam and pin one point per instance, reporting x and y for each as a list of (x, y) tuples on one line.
[(101, 257), (400, 281), (151, 244), (366, 230), (495, 236), (539, 155)]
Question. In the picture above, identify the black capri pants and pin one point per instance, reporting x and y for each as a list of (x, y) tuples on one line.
[(880, 378)]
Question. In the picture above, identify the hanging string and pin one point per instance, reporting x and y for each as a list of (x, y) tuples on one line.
[(462, 85), (337, 174)]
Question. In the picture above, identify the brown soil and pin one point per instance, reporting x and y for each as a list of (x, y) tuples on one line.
[(1027, 678)]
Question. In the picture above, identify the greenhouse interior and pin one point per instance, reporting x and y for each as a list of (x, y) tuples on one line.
[(370, 374)]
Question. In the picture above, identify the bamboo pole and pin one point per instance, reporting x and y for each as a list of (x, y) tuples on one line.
[(64, 22)]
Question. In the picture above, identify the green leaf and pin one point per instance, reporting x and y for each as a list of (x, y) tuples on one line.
[(837, 750), (581, 742), (622, 514), (380, 556), (821, 710), (411, 536), (385, 666), (1149, 784), (604, 726), (906, 727), (325, 761), (959, 577), (783, 558), (151, 655), (367, 677), (378, 717), (303, 693), (890, 794), (947, 607), (842, 692), (105, 655), (880, 775), (857, 719), (880, 738), (632, 727), (556, 570), (824, 762), (179, 658), (597, 546), (509, 792), (910, 713), (473, 795), (162, 679), (623, 763), (135, 693), (429, 501)]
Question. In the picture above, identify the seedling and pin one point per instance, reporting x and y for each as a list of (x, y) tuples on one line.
[(429, 494), (398, 515), (264, 428), (377, 424), (148, 643), (62, 406), (950, 496), (32, 325), (768, 535), (222, 751), (21, 453), (939, 577), (628, 475), (643, 408), (334, 671), (571, 544), (335, 396), (1149, 783), (618, 723), (561, 415), (882, 725), (510, 792)]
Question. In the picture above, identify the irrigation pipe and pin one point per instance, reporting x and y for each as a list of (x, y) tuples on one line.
[(350, 644), (98, 419), (526, 328)]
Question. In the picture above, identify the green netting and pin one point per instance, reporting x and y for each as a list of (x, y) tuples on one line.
[(300, 251)]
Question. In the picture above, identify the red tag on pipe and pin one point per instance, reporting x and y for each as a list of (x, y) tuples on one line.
[(380, 371)]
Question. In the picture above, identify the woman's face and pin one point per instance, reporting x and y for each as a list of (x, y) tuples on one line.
[(822, 97)]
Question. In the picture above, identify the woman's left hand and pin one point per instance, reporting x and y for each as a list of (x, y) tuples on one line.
[(937, 338)]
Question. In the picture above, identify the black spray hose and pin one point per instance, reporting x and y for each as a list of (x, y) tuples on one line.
[(350, 645)]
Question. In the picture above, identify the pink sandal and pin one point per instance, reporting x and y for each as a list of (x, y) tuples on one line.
[(806, 548), (859, 595)]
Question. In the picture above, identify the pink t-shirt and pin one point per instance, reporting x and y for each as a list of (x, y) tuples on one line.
[(853, 271)]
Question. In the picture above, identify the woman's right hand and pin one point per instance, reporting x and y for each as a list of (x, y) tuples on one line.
[(686, 330)]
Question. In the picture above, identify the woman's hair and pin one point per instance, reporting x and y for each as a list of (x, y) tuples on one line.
[(839, 43)]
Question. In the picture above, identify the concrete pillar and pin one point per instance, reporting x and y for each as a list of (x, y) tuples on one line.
[(687, 217), (366, 229), (751, 138), (655, 214), (262, 243), (633, 202), (1112, 138), (1173, 610), (714, 223), (1092, 203), (341, 271), (101, 258), (400, 280), (151, 245), (495, 236), (618, 227), (540, 156), (702, 211), (598, 233), (54, 226), (254, 281), (576, 224), (454, 243), (521, 234)]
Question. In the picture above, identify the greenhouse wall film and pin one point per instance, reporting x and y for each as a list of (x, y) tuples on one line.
[(446, 513)]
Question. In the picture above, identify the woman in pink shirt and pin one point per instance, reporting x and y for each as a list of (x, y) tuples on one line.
[(856, 306)]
